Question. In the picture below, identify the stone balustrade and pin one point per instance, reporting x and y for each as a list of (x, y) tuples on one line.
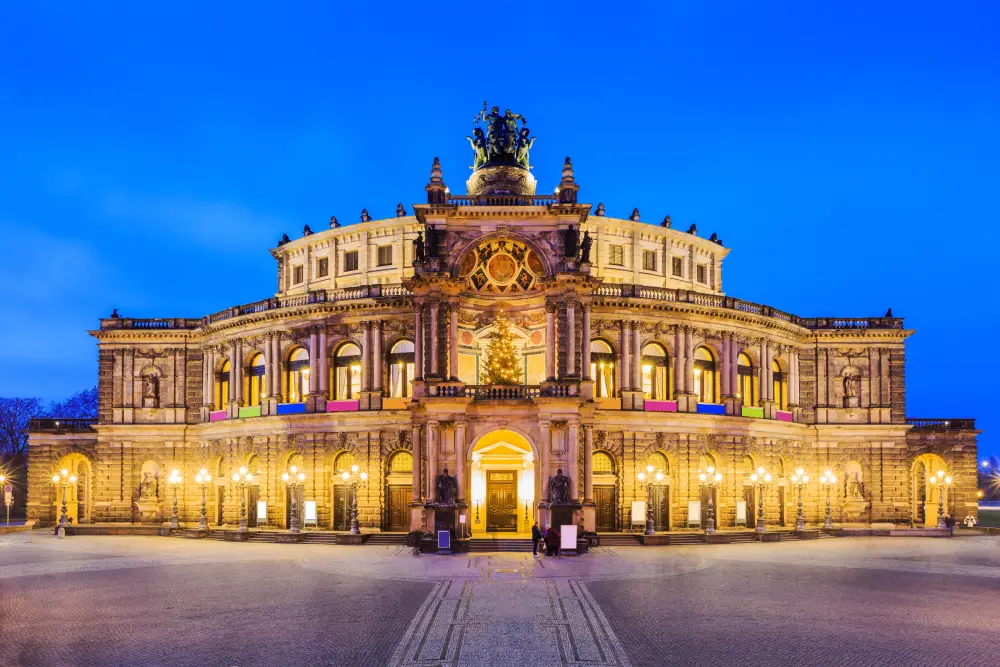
[(942, 424), (61, 424)]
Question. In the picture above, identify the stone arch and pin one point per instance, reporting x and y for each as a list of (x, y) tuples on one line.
[(470, 246), (925, 498), (79, 494)]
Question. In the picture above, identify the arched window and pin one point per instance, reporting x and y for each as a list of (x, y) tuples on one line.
[(707, 461), (780, 397), (704, 375), (222, 386), (744, 380), (400, 462), (659, 462), (347, 372), (298, 376), (256, 373), (603, 463), (401, 369), (748, 465), (344, 462), (602, 369), (654, 373)]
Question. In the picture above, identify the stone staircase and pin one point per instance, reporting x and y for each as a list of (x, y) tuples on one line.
[(386, 539), (487, 544), (619, 539)]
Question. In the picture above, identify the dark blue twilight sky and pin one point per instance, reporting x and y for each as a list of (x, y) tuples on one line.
[(846, 152)]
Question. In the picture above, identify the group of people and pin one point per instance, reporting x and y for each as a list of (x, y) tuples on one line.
[(550, 537)]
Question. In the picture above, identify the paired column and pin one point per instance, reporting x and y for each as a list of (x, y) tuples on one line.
[(417, 463), (377, 357), (679, 366), (313, 361), (636, 357), (435, 370), (570, 338), (734, 357), (623, 359), (573, 451), (453, 341), (208, 377), (689, 361), (588, 464), (585, 342), (366, 360), (768, 391), (793, 378), (418, 342), (550, 341), (324, 365), (460, 458), (727, 360)]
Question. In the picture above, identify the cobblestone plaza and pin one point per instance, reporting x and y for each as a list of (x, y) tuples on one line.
[(152, 600)]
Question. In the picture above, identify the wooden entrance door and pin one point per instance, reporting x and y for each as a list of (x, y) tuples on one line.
[(501, 501), (253, 493), (750, 496), (604, 509), (399, 496), (341, 507), (661, 508), (300, 501)]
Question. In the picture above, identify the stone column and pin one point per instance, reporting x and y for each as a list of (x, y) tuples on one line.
[(366, 357), (762, 376), (417, 462), (689, 361), (727, 360), (545, 427), (453, 342), (550, 341), (570, 338), (433, 441), (274, 367), (460, 458), (625, 376), (324, 365), (573, 452), (679, 364), (734, 358), (377, 371), (236, 373), (435, 370), (588, 464), (636, 357), (207, 387), (313, 361), (793, 379), (418, 340), (585, 343)]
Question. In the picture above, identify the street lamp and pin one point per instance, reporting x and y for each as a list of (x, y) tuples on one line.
[(941, 480), (828, 480), (354, 479), (710, 479), (293, 479), (650, 480), (174, 480), (799, 481), (242, 480), (65, 480), (203, 479), (761, 480), (3, 483)]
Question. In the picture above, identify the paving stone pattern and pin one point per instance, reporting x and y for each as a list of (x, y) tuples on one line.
[(156, 601)]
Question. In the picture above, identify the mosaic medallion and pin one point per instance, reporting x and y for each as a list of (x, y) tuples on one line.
[(502, 267)]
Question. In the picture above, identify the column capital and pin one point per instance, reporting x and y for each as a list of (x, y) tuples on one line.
[(551, 306), (544, 424)]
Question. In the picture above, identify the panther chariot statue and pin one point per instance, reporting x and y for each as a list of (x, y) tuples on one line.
[(501, 163)]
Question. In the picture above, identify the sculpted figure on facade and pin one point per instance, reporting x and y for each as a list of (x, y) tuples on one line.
[(559, 488), (479, 148), (503, 143), (418, 248), (585, 247), (147, 487), (446, 488)]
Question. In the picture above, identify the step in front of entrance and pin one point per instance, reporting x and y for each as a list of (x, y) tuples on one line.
[(481, 544)]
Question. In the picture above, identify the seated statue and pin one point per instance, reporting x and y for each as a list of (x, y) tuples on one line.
[(559, 488), (446, 489)]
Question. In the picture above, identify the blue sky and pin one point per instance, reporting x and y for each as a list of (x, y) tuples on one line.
[(153, 152)]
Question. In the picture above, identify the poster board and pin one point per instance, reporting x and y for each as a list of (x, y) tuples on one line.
[(694, 514), (444, 540), (309, 513), (568, 537), (741, 512), (639, 511), (261, 512)]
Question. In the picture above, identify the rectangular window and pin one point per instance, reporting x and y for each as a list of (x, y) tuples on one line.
[(385, 255), (350, 261), (677, 266), (296, 275), (616, 255), (323, 267), (702, 272), (649, 260)]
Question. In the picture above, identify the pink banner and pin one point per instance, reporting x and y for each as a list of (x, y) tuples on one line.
[(660, 406), (783, 416), (341, 406), (217, 416)]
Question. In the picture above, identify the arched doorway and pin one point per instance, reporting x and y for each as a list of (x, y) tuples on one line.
[(503, 484), (706, 493), (661, 492), (341, 519), (78, 494), (296, 461), (398, 492), (605, 493), (925, 494)]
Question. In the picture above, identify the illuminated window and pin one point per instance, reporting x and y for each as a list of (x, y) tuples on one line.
[(322, 267), (296, 275), (677, 266), (702, 273), (780, 397), (256, 375), (704, 375), (385, 255), (297, 385), (401, 462), (350, 261), (344, 462), (602, 369), (654, 372), (222, 386), (603, 463), (401, 359), (744, 380), (659, 462), (649, 260), (616, 255), (347, 373)]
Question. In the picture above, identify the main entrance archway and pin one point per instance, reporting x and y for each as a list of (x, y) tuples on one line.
[(925, 494), (503, 483)]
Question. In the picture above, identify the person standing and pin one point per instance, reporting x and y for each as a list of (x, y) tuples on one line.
[(536, 536)]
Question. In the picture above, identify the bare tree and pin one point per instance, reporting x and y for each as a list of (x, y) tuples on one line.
[(81, 405), (14, 416)]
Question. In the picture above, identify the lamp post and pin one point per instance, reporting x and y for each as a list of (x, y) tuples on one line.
[(242, 480), (65, 480), (650, 479), (3, 482), (354, 479), (710, 479), (174, 481), (761, 480), (203, 479), (828, 480), (293, 479), (799, 480), (941, 480)]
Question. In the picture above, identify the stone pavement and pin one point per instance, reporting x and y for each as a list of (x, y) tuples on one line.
[(160, 601)]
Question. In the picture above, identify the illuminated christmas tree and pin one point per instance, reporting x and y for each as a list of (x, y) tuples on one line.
[(503, 361)]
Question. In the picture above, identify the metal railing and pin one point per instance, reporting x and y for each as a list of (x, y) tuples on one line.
[(500, 392), (960, 424), (61, 424)]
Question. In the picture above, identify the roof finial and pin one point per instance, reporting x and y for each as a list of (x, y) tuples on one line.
[(693, 229), (364, 215), (333, 222), (666, 222), (437, 191), (306, 231), (567, 186), (600, 209)]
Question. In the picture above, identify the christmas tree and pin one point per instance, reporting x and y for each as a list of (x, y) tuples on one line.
[(503, 361)]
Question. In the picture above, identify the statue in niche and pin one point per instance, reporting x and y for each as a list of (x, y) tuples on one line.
[(852, 386), (432, 241), (147, 487), (559, 488), (446, 488), (585, 246), (855, 487), (418, 248), (150, 391), (571, 238)]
